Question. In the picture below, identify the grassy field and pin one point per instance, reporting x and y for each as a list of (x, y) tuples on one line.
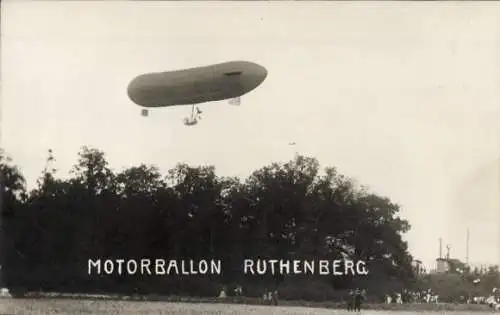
[(103, 307)]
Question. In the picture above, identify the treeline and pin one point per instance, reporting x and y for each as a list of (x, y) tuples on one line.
[(458, 287), (293, 210)]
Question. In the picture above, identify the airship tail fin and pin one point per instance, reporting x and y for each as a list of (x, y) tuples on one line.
[(235, 101)]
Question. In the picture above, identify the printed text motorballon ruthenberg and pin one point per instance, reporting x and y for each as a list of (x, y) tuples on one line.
[(214, 267)]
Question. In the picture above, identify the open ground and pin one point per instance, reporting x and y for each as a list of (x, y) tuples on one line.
[(84, 306)]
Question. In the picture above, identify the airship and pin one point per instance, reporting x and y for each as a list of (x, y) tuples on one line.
[(194, 86)]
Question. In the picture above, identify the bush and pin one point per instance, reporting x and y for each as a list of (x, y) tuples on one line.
[(308, 290)]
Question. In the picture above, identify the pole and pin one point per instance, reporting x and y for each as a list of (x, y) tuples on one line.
[(440, 248), (498, 186), (2, 230), (467, 247)]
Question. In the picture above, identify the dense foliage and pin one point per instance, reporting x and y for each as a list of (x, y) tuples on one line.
[(458, 286), (288, 210)]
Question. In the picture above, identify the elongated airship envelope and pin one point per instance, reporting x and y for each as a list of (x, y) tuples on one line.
[(196, 85)]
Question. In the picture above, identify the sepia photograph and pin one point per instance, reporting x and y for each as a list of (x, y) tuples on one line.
[(256, 157)]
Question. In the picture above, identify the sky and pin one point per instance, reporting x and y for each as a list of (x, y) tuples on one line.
[(405, 98)]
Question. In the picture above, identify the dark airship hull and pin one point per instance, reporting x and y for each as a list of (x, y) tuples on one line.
[(196, 85)]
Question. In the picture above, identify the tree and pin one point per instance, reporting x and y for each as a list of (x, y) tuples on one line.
[(292, 210), (13, 194), (12, 183), (92, 172)]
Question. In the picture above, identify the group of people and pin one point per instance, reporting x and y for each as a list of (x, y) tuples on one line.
[(355, 300), (357, 296), (425, 296), (270, 297), (493, 300), (238, 291)]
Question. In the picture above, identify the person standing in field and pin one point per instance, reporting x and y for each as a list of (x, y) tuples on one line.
[(222, 294), (265, 296), (274, 297), (350, 301), (358, 299)]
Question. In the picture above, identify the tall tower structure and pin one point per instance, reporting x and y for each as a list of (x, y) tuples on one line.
[(440, 248), (467, 247)]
